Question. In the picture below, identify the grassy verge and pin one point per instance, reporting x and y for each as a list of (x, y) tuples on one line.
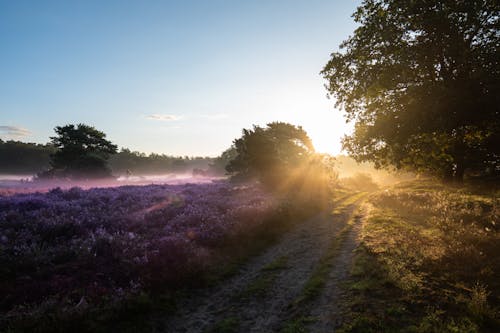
[(429, 261)]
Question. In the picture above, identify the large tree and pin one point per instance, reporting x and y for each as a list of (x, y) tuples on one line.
[(269, 152), (420, 79), (82, 152), (282, 157)]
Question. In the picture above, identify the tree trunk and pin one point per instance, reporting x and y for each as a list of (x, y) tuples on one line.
[(458, 177), (448, 175)]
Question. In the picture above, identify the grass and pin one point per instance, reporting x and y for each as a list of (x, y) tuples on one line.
[(227, 325), (298, 325), (429, 261), (269, 273), (345, 201)]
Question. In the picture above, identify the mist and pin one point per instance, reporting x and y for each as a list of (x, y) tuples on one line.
[(14, 184)]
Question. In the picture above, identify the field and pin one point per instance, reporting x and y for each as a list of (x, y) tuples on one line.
[(428, 261), (221, 257), (68, 252)]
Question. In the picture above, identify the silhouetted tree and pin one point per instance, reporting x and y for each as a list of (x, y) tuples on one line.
[(421, 81), (82, 152), (282, 157), (266, 153), (20, 157)]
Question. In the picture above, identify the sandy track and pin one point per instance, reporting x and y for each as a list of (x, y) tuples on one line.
[(302, 247), (327, 309)]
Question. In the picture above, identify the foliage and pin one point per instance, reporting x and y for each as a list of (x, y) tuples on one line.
[(420, 80), (18, 157), (361, 182), (348, 167), (219, 164), (282, 157), (140, 164), (82, 152), (266, 153), (24, 158)]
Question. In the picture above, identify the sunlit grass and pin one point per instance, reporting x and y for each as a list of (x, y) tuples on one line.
[(432, 251)]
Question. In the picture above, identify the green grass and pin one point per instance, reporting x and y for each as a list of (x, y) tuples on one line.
[(344, 202), (297, 325), (278, 264), (268, 274), (227, 325)]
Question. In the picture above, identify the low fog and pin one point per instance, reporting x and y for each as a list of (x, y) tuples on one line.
[(11, 184)]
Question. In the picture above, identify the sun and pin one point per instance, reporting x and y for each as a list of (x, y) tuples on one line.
[(326, 132)]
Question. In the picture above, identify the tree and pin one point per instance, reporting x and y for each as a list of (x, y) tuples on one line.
[(420, 79), (282, 157), (265, 153), (18, 157), (218, 166), (82, 152)]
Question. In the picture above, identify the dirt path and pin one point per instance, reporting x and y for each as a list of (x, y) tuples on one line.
[(258, 298), (327, 309)]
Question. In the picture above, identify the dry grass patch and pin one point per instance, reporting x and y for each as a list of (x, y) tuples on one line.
[(433, 252)]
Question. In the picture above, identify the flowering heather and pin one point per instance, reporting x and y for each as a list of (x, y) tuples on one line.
[(103, 243)]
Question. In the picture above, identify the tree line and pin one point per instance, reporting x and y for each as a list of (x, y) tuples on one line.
[(24, 158)]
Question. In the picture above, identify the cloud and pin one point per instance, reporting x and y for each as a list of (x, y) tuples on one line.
[(163, 117), (14, 131)]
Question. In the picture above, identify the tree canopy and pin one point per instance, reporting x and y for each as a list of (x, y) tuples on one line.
[(420, 79), (265, 152), (82, 152), (24, 158), (282, 157)]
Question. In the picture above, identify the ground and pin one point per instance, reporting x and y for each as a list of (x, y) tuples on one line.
[(418, 257), (291, 287)]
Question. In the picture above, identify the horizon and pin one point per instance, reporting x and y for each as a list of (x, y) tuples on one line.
[(170, 78)]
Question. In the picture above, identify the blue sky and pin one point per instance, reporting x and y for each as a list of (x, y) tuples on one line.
[(174, 77)]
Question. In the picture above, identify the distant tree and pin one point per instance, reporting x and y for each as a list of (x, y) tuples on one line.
[(24, 158), (218, 166), (421, 81), (83, 152), (360, 181), (141, 164)]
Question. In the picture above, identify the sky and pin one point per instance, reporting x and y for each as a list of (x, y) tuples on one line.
[(175, 77)]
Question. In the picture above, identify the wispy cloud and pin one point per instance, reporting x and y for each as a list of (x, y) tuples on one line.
[(14, 131), (163, 117)]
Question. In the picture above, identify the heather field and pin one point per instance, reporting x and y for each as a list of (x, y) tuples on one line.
[(67, 252)]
